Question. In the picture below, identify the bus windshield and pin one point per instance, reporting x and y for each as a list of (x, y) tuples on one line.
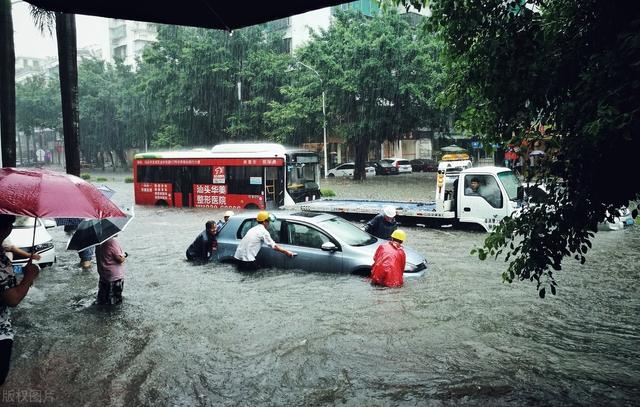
[(302, 171)]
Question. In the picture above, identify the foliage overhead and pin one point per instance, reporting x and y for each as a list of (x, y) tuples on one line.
[(571, 67), (381, 75)]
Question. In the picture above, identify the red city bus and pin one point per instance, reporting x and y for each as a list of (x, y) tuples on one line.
[(242, 175)]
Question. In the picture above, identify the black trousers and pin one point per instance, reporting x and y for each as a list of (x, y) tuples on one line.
[(110, 292), (5, 358), (247, 265)]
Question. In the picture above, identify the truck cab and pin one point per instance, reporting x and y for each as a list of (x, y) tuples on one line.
[(485, 195)]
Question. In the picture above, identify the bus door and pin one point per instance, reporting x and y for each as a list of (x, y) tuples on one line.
[(273, 187), (182, 186)]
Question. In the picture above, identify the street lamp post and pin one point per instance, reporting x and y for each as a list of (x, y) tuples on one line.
[(324, 115)]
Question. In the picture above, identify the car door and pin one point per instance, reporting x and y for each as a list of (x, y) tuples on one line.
[(486, 205), (346, 170), (306, 241)]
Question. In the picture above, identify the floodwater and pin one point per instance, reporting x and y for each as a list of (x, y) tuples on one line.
[(210, 336)]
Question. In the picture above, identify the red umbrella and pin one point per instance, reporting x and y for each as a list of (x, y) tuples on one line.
[(48, 194)]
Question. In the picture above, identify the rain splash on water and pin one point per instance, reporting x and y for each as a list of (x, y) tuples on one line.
[(208, 335)]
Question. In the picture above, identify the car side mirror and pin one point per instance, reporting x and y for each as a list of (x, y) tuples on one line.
[(329, 247), (520, 193)]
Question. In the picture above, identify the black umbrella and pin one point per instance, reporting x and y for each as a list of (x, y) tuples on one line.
[(92, 232)]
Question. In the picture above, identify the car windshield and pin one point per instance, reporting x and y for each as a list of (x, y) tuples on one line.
[(511, 184), (23, 222), (403, 162), (386, 162), (347, 232)]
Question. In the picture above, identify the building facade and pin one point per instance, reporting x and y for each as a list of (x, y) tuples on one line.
[(128, 39)]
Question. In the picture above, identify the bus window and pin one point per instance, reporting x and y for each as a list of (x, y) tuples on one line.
[(154, 174), (242, 180)]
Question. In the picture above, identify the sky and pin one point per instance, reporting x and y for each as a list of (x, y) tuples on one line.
[(29, 42)]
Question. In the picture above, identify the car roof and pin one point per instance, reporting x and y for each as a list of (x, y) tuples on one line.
[(313, 217)]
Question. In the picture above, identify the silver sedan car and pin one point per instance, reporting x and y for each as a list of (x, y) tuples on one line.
[(323, 243)]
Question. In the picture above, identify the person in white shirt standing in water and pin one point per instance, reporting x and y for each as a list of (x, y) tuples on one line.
[(252, 242)]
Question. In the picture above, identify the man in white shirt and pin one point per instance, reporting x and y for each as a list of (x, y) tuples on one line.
[(252, 242)]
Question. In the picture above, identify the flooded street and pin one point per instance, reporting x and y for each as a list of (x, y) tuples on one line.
[(208, 335)]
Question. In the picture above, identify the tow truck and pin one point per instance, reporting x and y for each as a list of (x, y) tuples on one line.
[(455, 204)]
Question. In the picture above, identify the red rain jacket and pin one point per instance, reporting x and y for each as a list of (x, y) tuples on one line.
[(388, 265)]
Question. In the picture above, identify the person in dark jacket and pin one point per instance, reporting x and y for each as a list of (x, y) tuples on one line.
[(383, 224), (205, 246)]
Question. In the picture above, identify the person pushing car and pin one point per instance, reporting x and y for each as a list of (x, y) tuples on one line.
[(251, 243), (383, 224), (389, 261)]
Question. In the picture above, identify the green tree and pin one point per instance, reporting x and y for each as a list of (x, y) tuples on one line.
[(37, 108), (65, 26), (189, 79), (381, 77), (574, 66)]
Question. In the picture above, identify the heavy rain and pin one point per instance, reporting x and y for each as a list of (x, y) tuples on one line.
[(502, 118)]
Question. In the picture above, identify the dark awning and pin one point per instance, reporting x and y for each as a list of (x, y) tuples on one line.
[(225, 15)]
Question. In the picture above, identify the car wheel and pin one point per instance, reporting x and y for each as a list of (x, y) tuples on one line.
[(251, 206), (331, 175), (43, 265), (162, 203)]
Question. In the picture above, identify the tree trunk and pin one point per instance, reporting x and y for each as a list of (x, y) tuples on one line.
[(7, 87), (122, 157), (113, 160), (362, 153), (35, 147), (68, 65)]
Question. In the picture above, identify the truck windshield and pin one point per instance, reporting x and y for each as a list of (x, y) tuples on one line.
[(347, 232), (510, 183)]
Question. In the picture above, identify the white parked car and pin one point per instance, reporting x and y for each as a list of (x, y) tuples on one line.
[(346, 170), (22, 236), (400, 163)]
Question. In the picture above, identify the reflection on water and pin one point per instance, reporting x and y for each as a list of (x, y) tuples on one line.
[(208, 335)]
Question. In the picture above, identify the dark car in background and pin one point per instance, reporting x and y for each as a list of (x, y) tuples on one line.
[(424, 165), (385, 167)]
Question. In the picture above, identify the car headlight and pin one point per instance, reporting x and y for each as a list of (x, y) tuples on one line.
[(43, 246)]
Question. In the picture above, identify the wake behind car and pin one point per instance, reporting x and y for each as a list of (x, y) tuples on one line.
[(22, 236), (323, 243)]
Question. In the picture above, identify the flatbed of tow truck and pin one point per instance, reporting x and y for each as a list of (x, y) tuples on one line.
[(371, 207)]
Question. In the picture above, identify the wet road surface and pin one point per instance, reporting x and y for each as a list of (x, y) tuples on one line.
[(208, 335)]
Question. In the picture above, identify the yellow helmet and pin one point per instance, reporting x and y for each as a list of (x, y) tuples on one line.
[(262, 216), (399, 235)]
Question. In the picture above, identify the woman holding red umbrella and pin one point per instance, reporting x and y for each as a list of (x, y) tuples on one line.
[(11, 294)]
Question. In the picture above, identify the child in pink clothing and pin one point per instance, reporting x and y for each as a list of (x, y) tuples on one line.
[(110, 261)]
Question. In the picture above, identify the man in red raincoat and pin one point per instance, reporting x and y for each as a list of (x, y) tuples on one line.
[(389, 261)]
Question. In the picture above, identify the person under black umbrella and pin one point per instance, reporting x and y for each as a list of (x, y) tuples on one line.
[(110, 261)]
